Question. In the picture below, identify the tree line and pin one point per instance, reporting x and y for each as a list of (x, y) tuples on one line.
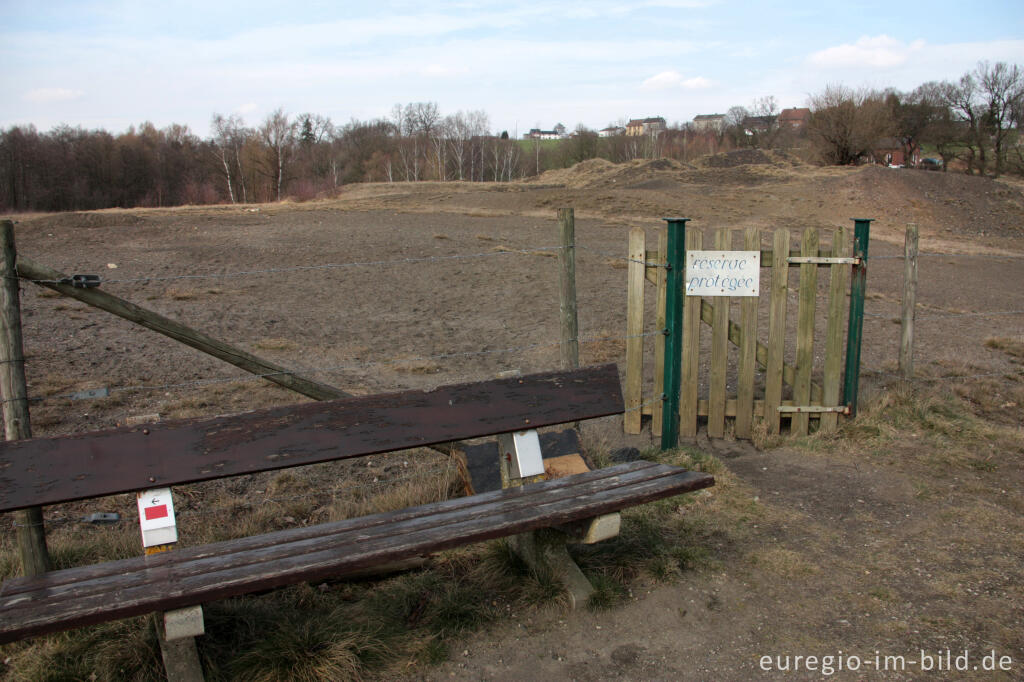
[(974, 121)]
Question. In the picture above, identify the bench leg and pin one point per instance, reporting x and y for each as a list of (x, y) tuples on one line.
[(544, 551), (181, 658)]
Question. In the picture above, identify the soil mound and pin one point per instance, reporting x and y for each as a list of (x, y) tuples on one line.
[(740, 157), (583, 174), (965, 204), (92, 219)]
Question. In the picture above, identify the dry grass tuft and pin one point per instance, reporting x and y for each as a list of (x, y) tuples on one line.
[(602, 350), (1014, 347), (275, 343)]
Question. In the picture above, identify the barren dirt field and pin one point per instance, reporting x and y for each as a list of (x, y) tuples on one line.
[(901, 535)]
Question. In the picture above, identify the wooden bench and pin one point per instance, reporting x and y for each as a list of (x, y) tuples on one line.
[(47, 471)]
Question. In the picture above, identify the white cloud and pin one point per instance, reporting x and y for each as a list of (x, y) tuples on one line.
[(696, 83), (48, 95), (879, 52), (673, 79), (246, 108)]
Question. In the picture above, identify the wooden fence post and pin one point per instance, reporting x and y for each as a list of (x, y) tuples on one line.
[(674, 296), (17, 425), (909, 303), (570, 348)]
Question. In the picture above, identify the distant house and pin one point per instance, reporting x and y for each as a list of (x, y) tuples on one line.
[(611, 131), (709, 122), (646, 126), (795, 119), (891, 152), (556, 133), (758, 125)]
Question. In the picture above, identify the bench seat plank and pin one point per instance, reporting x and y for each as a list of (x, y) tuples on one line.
[(44, 471), (80, 596)]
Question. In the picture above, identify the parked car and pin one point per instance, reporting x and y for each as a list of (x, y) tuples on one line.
[(931, 164)]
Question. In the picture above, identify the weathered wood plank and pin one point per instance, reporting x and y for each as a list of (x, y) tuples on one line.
[(832, 380), (719, 349), (197, 575), (805, 330), (632, 418), (707, 314), (660, 323), (776, 329), (53, 580), (748, 349), (46, 471), (691, 349)]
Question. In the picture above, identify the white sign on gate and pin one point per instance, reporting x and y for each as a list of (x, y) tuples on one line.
[(723, 273)]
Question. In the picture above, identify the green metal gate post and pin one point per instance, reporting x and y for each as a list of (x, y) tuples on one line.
[(855, 328), (675, 272)]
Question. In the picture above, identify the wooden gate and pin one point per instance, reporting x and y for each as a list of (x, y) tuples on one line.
[(772, 376)]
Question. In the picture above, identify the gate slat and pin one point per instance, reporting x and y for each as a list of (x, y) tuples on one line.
[(805, 330), (691, 349), (776, 329), (748, 348), (719, 349), (633, 418), (832, 382)]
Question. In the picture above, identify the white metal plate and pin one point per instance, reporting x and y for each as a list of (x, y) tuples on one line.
[(527, 459), (723, 273)]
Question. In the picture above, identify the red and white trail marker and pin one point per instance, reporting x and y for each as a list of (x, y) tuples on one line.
[(156, 517)]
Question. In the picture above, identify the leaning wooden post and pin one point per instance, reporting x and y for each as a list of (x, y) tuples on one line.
[(570, 324), (674, 275), (909, 303), (51, 279), (855, 325), (13, 391)]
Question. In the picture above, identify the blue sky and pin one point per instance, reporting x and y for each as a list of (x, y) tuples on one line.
[(106, 64)]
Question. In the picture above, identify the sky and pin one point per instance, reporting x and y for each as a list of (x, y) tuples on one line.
[(109, 64)]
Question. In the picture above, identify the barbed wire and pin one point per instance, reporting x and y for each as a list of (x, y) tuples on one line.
[(330, 369), (938, 254), (626, 259), (503, 251), (944, 315), (951, 377)]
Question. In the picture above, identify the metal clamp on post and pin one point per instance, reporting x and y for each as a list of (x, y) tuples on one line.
[(81, 281)]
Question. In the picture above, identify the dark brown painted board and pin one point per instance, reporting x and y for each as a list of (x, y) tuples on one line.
[(484, 469), (50, 470), (78, 596)]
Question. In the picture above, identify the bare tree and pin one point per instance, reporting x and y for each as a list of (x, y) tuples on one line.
[(278, 135), (462, 129), (1002, 90), (225, 138), (846, 124), (962, 99)]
